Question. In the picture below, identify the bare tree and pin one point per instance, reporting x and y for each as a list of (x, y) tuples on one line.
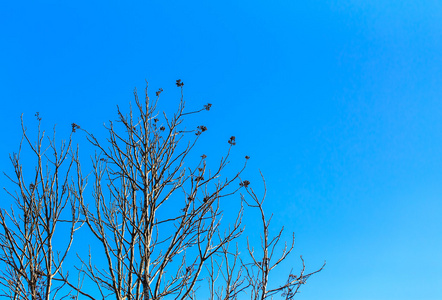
[(28, 256), (161, 225)]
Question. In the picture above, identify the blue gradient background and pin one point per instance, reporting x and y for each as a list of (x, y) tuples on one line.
[(338, 103)]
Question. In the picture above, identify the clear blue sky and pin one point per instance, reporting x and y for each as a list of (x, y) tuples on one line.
[(339, 104)]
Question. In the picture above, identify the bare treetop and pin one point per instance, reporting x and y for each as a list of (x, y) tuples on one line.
[(157, 217)]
